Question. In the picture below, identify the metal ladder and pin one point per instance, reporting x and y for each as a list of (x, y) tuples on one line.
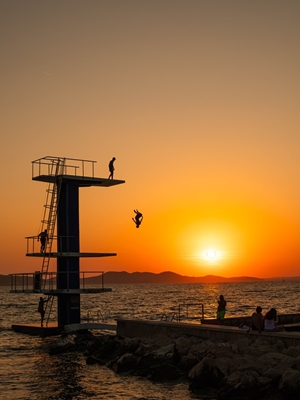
[(50, 213), (48, 309)]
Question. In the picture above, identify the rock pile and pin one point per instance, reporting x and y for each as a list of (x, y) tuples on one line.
[(249, 368)]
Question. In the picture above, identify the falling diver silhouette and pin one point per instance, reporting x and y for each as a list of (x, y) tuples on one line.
[(138, 218)]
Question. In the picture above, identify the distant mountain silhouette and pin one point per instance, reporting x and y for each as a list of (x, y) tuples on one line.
[(164, 277), (115, 277)]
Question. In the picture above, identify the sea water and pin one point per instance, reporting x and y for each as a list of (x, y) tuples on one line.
[(27, 371)]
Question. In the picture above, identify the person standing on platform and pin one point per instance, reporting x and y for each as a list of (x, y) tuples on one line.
[(41, 309), (221, 308), (43, 237), (111, 168)]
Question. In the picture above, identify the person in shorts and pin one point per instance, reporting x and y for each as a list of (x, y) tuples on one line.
[(221, 308)]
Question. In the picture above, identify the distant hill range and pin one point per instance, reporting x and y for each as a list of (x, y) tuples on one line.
[(164, 277)]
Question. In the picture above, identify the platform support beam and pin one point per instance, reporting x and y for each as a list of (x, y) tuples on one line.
[(68, 268)]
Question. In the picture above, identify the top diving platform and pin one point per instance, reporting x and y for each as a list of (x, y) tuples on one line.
[(80, 171)]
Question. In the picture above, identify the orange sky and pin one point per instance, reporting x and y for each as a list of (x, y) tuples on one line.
[(197, 100)]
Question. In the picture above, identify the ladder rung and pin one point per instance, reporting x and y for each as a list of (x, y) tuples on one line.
[(49, 206), (46, 222)]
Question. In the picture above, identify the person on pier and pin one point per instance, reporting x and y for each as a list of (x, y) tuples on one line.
[(257, 321), (221, 310), (270, 322)]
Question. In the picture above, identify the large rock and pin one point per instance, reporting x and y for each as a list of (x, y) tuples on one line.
[(106, 350), (222, 368), (125, 363), (240, 385), (184, 343), (242, 345), (292, 351), (62, 346), (163, 356), (187, 362), (245, 363), (202, 374), (112, 350), (211, 348), (278, 360), (290, 382)]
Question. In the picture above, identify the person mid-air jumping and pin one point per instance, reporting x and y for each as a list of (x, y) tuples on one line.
[(138, 218)]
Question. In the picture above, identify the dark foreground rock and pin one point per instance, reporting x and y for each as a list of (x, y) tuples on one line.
[(247, 369)]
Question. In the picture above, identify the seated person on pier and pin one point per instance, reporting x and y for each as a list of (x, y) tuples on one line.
[(257, 323), (270, 322), (138, 218)]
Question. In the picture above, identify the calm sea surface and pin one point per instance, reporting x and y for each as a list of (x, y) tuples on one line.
[(28, 372)]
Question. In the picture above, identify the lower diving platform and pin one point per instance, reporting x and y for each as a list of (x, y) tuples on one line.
[(70, 254), (52, 329), (46, 283)]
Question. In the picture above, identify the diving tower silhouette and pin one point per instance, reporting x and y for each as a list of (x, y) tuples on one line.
[(64, 176)]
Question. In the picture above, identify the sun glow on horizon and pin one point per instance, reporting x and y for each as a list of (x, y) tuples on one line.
[(210, 255)]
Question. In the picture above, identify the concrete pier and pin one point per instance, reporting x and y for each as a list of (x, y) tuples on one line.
[(146, 328)]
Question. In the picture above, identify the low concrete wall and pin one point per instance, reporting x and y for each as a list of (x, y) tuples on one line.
[(146, 328), (283, 319)]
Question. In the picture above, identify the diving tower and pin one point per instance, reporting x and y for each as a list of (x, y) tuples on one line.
[(64, 177)]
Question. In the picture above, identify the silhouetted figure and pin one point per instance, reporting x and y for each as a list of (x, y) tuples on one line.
[(43, 237), (221, 308), (138, 218), (270, 322), (257, 321), (111, 168), (41, 309)]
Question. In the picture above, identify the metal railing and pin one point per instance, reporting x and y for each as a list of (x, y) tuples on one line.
[(171, 317), (187, 307), (186, 311), (31, 241), (71, 167), (99, 317), (31, 282)]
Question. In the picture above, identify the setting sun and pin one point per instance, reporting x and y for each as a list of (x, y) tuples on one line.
[(211, 254)]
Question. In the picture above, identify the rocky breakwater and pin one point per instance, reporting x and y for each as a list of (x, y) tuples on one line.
[(248, 368)]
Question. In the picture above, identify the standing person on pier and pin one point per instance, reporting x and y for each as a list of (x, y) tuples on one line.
[(221, 308)]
